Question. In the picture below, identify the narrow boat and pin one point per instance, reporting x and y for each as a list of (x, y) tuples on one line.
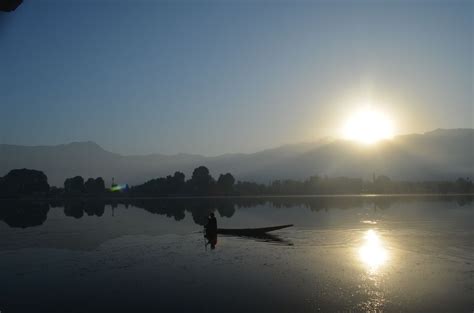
[(250, 231)]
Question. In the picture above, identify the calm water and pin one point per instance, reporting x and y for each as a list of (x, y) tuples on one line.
[(343, 254)]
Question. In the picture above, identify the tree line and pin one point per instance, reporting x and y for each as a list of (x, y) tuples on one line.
[(34, 183), (201, 183)]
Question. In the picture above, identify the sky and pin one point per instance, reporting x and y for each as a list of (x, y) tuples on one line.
[(140, 77)]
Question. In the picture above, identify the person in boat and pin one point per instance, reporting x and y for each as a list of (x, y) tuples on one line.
[(211, 230), (211, 225), (211, 239)]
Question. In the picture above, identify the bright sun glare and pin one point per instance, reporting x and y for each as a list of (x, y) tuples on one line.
[(368, 127), (372, 253)]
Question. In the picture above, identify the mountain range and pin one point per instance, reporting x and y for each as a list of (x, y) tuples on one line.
[(436, 155)]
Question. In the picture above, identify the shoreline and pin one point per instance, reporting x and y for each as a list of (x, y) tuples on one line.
[(116, 198)]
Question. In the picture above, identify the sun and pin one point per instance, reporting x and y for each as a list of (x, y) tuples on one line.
[(368, 127)]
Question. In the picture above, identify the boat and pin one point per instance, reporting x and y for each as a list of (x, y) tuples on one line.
[(250, 231)]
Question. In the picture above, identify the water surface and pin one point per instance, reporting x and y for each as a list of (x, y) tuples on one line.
[(343, 254)]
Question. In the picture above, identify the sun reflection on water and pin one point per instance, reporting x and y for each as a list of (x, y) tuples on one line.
[(372, 253)]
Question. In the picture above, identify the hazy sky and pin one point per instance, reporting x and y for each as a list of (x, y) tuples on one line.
[(215, 77)]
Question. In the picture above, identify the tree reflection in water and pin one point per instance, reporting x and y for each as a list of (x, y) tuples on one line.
[(27, 213)]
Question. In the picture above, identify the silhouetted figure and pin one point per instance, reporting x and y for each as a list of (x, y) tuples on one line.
[(211, 239), (211, 231), (211, 223)]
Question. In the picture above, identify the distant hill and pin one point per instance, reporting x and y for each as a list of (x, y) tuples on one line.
[(440, 154)]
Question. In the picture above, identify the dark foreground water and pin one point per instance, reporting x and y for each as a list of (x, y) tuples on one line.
[(343, 254)]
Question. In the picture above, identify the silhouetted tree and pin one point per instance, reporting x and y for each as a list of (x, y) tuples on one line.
[(94, 186), (311, 185), (74, 185), (89, 185), (250, 188), (100, 184), (177, 183), (382, 184), (201, 181), (464, 185), (225, 183), (55, 191), (24, 182), (171, 185)]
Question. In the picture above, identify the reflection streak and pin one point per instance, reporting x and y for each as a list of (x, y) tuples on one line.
[(372, 253)]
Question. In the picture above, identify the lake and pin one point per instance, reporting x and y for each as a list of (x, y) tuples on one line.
[(358, 254)]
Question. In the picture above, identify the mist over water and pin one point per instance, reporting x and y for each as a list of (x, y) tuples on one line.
[(344, 253)]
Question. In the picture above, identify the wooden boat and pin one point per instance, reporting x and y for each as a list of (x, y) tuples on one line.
[(250, 231)]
